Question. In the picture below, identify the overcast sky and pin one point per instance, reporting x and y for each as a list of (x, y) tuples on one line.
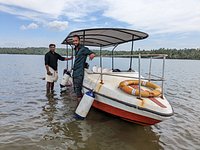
[(169, 23)]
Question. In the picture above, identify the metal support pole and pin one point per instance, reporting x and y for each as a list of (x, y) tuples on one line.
[(72, 61), (112, 59), (67, 49), (84, 38), (113, 56), (131, 59), (163, 74), (139, 68), (150, 64), (101, 65)]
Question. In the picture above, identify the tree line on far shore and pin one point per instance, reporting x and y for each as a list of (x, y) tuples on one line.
[(189, 53)]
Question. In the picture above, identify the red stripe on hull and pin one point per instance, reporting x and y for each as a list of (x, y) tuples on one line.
[(157, 102), (131, 117)]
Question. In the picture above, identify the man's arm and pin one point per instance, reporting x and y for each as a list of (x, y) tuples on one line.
[(68, 58), (47, 68), (91, 56), (46, 59), (63, 58), (90, 53)]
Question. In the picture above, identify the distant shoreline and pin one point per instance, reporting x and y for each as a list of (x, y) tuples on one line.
[(192, 54)]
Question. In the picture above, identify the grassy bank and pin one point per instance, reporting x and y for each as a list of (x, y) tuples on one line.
[(172, 53)]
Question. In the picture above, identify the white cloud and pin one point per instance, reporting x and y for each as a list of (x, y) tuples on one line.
[(45, 12), (50, 7), (29, 26), (58, 25), (24, 13), (156, 15), (77, 9)]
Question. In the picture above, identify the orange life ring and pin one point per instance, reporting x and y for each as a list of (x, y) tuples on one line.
[(126, 86)]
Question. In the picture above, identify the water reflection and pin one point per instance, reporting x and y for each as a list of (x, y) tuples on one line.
[(63, 128), (98, 131)]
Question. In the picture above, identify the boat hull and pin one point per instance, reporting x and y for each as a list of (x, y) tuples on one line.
[(110, 99), (125, 115)]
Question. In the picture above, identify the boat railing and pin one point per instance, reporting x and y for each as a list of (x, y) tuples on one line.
[(150, 75), (139, 56), (118, 75)]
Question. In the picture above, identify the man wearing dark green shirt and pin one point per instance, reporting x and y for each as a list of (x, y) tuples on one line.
[(51, 64), (81, 54)]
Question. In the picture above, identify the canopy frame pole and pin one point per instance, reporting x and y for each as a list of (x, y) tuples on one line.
[(101, 65), (113, 56), (72, 54), (67, 49), (84, 37), (163, 74), (150, 66), (131, 59), (139, 68)]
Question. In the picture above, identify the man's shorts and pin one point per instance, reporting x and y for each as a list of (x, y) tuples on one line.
[(53, 77)]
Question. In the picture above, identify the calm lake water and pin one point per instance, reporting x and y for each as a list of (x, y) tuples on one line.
[(30, 120)]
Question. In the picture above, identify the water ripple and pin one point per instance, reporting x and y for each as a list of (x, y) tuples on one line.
[(30, 119)]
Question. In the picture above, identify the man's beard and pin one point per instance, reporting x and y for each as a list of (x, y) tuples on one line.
[(76, 46)]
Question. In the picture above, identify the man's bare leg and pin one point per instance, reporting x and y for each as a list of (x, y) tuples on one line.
[(48, 87), (52, 86)]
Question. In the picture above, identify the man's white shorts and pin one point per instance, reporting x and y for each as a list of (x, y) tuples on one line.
[(53, 77)]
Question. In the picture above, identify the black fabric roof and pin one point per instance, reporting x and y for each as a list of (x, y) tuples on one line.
[(105, 36)]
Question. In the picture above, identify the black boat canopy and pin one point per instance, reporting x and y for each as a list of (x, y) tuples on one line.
[(101, 37)]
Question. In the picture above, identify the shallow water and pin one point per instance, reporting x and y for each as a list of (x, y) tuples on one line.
[(31, 120)]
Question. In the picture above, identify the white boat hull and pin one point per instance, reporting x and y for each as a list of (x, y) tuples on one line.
[(109, 98)]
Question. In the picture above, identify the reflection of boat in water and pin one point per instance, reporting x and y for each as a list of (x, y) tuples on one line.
[(61, 131), (142, 102)]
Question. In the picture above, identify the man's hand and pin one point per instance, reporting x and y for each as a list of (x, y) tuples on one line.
[(91, 56), (49, 73), (69, 58)]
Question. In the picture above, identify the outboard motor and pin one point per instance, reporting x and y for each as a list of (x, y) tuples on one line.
[(84, 105), (65, 79)]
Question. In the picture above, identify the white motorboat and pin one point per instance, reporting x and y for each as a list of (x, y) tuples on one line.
[(126, 94)]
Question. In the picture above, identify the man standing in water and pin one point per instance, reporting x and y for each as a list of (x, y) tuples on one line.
[(81, 54), (51, 64)]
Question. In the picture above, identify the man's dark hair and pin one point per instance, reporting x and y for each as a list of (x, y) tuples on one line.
[(76, 36), (50, 45)]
